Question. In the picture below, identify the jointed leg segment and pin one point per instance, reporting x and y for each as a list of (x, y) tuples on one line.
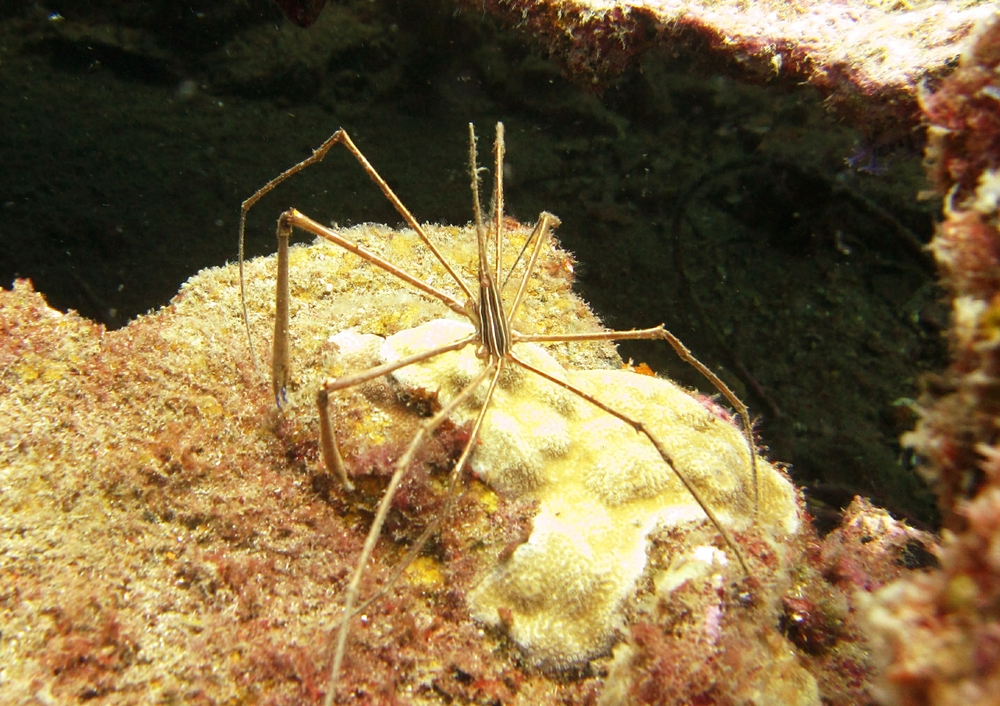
[(660, 448), (290, 219), (339, 137), (328, 439), (402, 466), (685, 354)]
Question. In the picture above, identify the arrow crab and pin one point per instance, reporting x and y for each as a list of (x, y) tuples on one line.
[(499, 356)]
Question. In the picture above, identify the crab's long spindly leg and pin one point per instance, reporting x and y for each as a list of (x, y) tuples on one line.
[(685, 354), (328, 440), (453, 485), (404, 212), (290, 219), (499, 147), (402, 466), (664, 454), (332, 459), (546, 222), (339, 137)]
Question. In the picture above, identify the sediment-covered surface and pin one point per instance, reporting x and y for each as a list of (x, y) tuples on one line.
[(167, 533)]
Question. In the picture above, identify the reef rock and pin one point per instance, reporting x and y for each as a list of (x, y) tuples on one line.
[(168, 534), (601, 487), (868, 58), (938, 635)]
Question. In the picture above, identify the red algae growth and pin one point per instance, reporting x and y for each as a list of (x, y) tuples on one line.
[(167, 535), (164, 539), (938, 635), (867, 57)]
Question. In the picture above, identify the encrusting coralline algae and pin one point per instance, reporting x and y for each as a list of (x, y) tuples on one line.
[(167, 535)]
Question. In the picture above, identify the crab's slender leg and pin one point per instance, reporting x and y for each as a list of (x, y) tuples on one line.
[(685, 354), (498, 155), (546, 222), (339, 137), (328, 440), (290, 219), (332, 459), (280, 356), (642, 429), (494, 368), (492, 332), (432, 526), (342, 383), (317, 156)]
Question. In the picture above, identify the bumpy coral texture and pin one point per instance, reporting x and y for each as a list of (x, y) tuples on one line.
[(167, 534), (939, 634), (601, 487)]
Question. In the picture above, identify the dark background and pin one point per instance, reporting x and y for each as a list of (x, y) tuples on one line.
[(130, 132)]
